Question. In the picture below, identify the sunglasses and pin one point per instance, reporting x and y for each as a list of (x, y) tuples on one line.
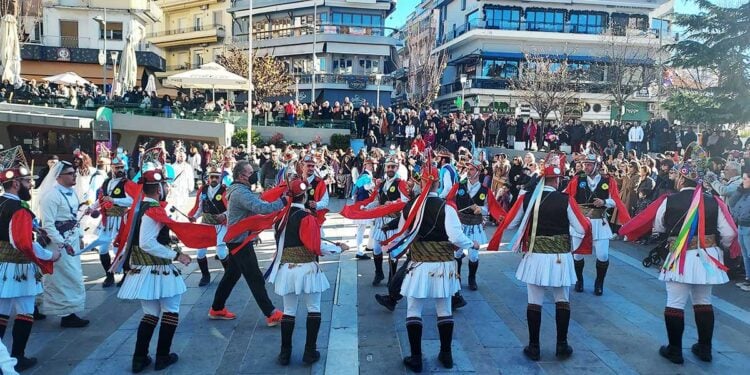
[(67, 174)]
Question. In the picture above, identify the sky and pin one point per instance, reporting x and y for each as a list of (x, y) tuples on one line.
[(405, 7)]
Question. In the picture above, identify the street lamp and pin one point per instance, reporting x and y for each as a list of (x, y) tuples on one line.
[(113, 55), (102, 21), (314, 45), (296, 90), (250, 79), (463, 90), (378, 77)]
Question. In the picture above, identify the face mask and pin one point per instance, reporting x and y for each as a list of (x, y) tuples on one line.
[(24, 193), (253, 179)]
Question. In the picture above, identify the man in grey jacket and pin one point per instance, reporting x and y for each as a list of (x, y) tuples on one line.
[(243, 202)]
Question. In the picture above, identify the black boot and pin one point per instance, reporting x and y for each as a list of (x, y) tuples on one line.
[(562, 319), (141, 359), (675, 322), (601, 272), (287, 329), (414, 330), (534, 319), (578, 264), (379, 276), (21, 332), (473, 275), (459, 263), (37, 315), (106, 260), (386, 301), (392, 268), (445, 329), (164, 358), (205, 275), (73, 321), (3, 325), (458, 301), (704, 321), (312, 354)]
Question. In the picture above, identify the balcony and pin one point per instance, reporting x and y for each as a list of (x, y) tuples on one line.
[(146, 10), (66, 50), (187, 36), (516, 30), (506, 84), (325, 33), (353, 81)]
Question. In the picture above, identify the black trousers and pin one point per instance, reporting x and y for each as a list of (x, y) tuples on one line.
[(243, 263)]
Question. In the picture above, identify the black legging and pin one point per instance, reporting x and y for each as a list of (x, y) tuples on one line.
[(244, 263)]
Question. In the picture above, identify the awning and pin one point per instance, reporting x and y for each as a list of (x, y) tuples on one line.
[(358, 49), (293, 50), (91, 72)]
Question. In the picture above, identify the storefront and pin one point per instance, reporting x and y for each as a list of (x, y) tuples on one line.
[(634, 111)]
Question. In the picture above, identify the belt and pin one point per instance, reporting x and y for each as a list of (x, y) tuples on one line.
[(139, 257), (9, 254), (297, 254), (432, 251), (557, 244), (593, 212), (469, 219), (694, 244), (115, 211), (210, 219), (65, 226)]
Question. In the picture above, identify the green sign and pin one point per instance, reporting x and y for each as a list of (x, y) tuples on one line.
[(458, 102), (634, 111)]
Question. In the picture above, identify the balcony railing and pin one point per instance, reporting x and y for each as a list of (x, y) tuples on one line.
[(548, 27), (507, 84), (344, 79), (179, 67), (185, 30), (323, 29)]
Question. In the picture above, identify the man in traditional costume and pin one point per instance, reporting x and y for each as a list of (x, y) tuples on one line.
[(153, 278), (22, 259), (64, 292), (114, 198), (363, 188), (472, 205), (696, 224), (430, 228), (317, 189), (296, 273), (211, 207), (549, 227), (595, 195)]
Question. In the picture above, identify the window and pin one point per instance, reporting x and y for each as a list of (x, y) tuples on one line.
[(368, 66), (638, 22), (322, 65), (198, 59), (587, 22), (661, 26), (545, 20), (503, 18), (472, 19), (299, 66), (342, 66), (492, 68), (114, 31), (239, 26), (463, 4), (198, 23)]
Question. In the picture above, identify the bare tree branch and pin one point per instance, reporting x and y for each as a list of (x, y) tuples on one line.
[(425, 69), (271, 76), (28, 14)]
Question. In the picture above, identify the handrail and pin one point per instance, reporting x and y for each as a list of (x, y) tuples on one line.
[(185, 30), (323, 28)]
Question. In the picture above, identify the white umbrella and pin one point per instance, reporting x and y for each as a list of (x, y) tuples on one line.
[(208, 76), (10, 50), (151, 85), (128, 63), (68, 78)]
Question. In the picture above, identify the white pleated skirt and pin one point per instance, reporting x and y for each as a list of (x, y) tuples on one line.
[(698, 269), (547, 269), (299, 278), (431, 280), (377, 233), (475, 233), (19, 280), (152, 283)]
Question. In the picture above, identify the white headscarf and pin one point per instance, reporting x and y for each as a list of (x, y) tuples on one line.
[(49, 183)]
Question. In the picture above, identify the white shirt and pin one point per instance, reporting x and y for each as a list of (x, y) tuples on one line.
[(323, 202), (39, 251), (593, 182), (635, 134), (473, 190), (150, 229), (61, 204)]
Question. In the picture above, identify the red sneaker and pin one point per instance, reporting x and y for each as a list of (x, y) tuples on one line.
[(222, 314), (274, 319)]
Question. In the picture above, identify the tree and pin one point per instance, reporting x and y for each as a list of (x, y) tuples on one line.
[(271, 76), (717, 39), (630, 62), (28, 14), (425, 69), (546, 84)]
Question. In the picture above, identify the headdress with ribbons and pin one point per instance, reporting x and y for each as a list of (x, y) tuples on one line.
[(13, 165)]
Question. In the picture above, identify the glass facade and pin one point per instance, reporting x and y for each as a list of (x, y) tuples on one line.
[(587, 22), (500, 68), (503, 18), (552, 20)]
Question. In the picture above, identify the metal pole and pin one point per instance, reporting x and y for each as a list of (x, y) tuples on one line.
[(250, 79), (377, 100), (104, 67), (315, 42)]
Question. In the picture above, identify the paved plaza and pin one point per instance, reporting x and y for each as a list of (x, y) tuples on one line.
[(618, 333)]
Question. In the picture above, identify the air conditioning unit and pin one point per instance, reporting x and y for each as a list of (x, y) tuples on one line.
[(653, 107), (204, 7)]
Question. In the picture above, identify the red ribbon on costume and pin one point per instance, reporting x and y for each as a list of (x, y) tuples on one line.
[(191, 234), (643, 223), (253, 225), (494, 244), (496, 210), (622, 212), (354, 212), (21, 225), (309, 234), (734, 248)]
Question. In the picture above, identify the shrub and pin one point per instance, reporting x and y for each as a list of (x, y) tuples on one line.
[(240, 138), (340, 141)]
